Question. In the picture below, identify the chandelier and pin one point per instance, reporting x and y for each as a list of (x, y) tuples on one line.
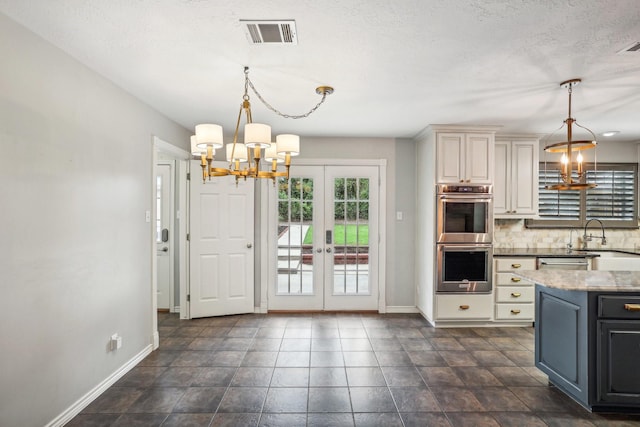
[(570, 178), (244, 159)]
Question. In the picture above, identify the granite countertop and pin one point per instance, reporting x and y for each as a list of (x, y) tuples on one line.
[(585, 280), (551, 252)]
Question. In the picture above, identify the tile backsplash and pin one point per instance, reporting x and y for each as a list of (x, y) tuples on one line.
[(511, 233)]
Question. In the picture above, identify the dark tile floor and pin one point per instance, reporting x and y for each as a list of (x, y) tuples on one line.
[(336, 370)]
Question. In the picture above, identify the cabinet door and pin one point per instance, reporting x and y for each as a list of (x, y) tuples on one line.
[(449, 153), (524, 176), (619, 352), (479, 158), (502, 178)]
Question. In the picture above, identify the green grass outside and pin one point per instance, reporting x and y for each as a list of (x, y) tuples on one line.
[(339, 231)]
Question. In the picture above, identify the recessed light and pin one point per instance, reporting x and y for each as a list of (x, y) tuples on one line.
[(610, 133)]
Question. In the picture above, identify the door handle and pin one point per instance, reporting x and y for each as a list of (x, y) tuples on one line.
[(319, 250), (165, 249), (249, 245), (329, 250)]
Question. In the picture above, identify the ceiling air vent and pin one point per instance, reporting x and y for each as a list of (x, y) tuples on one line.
[(278, 32), (635, 47)]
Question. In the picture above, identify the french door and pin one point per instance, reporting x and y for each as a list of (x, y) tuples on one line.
[(327, 239)]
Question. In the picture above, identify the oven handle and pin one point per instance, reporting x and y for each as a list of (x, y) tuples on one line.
[(465, 197)]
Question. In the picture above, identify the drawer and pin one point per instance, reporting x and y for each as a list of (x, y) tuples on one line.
[(619, 307), (508, 279), (514, 264), (515, 294), (515, 311), (464, 306)]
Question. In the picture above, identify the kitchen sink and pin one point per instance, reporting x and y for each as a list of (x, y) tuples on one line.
[(616, 261)]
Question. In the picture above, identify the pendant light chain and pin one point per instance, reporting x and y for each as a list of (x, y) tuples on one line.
[(324, 92)]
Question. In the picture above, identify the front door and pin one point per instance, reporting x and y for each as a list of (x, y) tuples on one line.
[(221, 245), (327, 242)]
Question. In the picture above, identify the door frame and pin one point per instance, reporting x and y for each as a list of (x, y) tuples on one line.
[(161, 148), (267, 245)]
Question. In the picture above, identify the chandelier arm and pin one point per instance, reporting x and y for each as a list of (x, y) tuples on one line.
[(235, 137), (275, 110)]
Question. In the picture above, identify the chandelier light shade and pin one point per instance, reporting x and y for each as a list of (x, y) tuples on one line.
[(257, 137), (271, 154), (572, 174), (237, 155), (209, 136), (288, 144)]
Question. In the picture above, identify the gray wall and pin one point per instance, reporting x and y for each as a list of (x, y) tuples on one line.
[(75, 258)]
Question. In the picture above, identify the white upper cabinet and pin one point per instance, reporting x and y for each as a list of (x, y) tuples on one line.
[(465, 157), (515, 186)]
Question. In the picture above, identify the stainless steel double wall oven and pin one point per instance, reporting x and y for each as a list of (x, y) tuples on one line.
[(464, 238)]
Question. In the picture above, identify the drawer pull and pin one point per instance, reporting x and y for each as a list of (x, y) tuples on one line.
[(515, 279), (515, 294), (515, 311), (632, 307), (516, 265), (464, 307)]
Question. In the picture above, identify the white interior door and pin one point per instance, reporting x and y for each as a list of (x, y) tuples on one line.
[(326, 259), (164, 232), (221, 245)]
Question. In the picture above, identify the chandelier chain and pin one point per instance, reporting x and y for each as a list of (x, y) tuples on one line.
[(270, 107)]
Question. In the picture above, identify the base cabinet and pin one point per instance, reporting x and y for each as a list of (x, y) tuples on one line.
[(514, 296), (618, 350), (588, 343)]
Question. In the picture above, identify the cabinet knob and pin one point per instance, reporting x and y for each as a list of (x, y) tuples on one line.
[(515, 294), (464, 307), (462, 180), (516, 265), (632, 307), (515, 311), (515, 279)]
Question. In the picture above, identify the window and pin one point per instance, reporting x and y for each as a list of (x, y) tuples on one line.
[(614, 200)]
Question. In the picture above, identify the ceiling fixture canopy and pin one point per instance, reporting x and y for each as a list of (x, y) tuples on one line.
[(570, 179), (257, 136)]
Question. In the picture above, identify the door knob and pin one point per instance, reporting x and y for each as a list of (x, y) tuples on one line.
[(319, 250), (329, 250), (249, 245), (165, 249)]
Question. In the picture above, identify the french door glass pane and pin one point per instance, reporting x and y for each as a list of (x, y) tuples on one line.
[(351, 236), (295, 236)]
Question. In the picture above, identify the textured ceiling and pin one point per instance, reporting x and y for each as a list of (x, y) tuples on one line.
[(396, 66)]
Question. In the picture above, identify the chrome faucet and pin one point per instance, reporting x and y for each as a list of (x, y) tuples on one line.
[(589, 238)]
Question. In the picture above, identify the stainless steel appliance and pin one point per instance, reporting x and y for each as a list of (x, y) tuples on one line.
[(569, 263), (464, 214), (464, 268), (464, 222)]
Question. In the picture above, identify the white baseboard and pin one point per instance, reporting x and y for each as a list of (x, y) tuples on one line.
[(402, 309), (92, 395)]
